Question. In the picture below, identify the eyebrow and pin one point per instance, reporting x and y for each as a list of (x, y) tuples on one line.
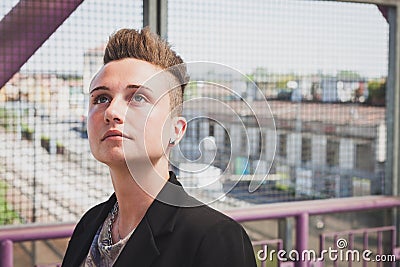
[(130, 86), (135, 86)]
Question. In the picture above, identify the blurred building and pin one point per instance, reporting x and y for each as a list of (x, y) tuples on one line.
[(322, 149)]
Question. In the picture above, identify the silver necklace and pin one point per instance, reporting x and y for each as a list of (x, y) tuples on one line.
[(114, 213)]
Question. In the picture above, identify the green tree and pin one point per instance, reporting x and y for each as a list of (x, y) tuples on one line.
[(348, 75), (377, 92)]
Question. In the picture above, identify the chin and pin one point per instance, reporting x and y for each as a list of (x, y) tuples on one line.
[(110, 157)]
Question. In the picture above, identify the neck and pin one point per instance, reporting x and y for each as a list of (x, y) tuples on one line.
[(136, 188)]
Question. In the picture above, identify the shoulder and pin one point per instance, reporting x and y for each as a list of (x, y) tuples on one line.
[(204, 223), (221, 241), (191, 217), (204, 217)]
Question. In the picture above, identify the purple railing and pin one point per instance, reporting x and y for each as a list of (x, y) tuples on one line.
[(29, 233), (365, 233), (262, 243), (300, 210)]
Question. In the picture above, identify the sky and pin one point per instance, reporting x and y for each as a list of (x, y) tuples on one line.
[(278, 35)]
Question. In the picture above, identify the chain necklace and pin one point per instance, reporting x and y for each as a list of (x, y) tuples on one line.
[(114, 213)]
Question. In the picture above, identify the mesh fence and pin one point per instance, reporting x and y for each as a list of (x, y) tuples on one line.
[(322, 67), (47, 173), (319, 68)]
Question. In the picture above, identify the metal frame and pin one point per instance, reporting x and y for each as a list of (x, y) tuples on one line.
[(377, 2), (393, 93), (155, 16), (36, 19)]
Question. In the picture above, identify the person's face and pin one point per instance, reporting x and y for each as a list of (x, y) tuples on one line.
[(129, 117)]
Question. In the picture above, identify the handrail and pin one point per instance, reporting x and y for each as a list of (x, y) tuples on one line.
[(36, 232), (301, 210), (9, 235), (312, 207)]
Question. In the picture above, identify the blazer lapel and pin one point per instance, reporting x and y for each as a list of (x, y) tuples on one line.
[(141, 249), (162, 216)]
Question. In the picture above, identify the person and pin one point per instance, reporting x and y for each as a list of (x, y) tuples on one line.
[(134, 120)]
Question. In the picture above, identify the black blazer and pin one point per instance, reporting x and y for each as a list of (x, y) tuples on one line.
[(170, 236)]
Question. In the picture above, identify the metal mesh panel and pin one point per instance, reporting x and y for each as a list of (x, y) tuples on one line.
[(322, 67), (47, 173)]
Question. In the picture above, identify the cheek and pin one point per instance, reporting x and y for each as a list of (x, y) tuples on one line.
[(158, 122), (91, 133), (91, 123), (157, 130)]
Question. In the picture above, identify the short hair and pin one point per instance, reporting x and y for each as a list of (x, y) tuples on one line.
[(150, 47)]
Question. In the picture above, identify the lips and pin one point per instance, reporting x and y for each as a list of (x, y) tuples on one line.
[(113, 133)]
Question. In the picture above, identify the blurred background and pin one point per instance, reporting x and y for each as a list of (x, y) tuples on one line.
[(322, 74)]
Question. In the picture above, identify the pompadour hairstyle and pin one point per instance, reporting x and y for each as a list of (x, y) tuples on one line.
[(150, 47)]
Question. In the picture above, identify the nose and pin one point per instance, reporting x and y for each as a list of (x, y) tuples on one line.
[(115, 112)]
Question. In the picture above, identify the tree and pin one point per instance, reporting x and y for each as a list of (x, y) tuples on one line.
[(348, 75), (377, 92)]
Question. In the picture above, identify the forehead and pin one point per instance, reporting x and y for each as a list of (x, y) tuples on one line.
[(130, 71)]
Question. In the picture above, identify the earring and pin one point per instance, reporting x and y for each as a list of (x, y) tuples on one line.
[(171, 142)]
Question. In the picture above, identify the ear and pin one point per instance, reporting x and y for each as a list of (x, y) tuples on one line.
[(178, 130)]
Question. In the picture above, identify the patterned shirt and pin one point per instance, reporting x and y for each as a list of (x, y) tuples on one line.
[(101, 254)]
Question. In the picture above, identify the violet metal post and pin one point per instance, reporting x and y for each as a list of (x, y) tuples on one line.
[(335, 241), (393, 243), (350, 246), (365, 246), (6, 253), (302, 237), (380, 248)]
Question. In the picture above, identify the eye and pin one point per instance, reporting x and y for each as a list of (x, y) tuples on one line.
[(138, 98), (101, 99)]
